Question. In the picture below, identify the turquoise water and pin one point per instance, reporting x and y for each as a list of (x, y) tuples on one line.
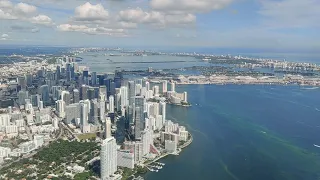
[(252, 132)]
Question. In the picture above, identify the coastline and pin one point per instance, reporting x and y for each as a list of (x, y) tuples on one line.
[(185, 145)]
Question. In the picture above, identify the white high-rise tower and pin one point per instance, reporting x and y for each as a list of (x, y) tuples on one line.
[(107, 130), (108, 158), (111, 104), (164, 86), (173, 86)]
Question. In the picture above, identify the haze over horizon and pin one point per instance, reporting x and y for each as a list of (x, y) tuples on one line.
[(247, 24)]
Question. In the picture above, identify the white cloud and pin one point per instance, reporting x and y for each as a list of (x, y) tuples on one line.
[(291, 13), (90, 12), (41, 19), (5, 4), (6, 15), (4, 36), (190, 6), (156, 18), (24, 9), (23, 12), (91, 30)]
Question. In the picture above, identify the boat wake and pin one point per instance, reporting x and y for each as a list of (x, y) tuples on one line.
[(316, 145), (311, 88)]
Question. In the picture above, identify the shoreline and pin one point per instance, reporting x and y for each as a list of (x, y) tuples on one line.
[(185, 145), (240, 83)]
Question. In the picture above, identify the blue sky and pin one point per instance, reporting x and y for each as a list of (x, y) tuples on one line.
[(262, 24)]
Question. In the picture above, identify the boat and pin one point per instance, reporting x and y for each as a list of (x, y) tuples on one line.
[(316, 146)]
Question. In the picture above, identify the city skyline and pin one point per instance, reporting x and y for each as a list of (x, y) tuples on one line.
[(210, 23)]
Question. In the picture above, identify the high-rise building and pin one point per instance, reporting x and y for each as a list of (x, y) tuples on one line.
[(102, 110), (60, 107), (35, 100), (66, 97), (85, 76), (76, 96), (147, 140), (131, 92), (139, 116), (94, 111), (108, 158), (147, 85), (83, 92), (94, 78), (22, 82), (103, 90), (124, 96), (135, 147), (72, 113), (91, 93), (137, 123), (40, 105), (56, 92), (164, 86), (156, 90), (138, 89), (173, 86), (29, 78), (44, 91), (118, 101), (83, 116), (107, 128), (111, 104), (117, 81), (163, 111), (58, 73), (125, 158), (138, 81), (22, 96)]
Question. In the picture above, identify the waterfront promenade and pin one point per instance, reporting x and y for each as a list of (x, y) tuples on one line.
[(187, 143)]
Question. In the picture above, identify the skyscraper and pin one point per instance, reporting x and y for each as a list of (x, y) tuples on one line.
[(83, 92), (83, 116), (173, 86), (94, 111), (60, 107), (108, 158), (29, 78), (139, 116), (22, 82), (58, 73), (111, 104), (102, 110), (22, 96), (103, 90), (131, 92), (124, 96), (94, 78), (164, 86), (44, 91), (147, 140), (163, 111), (35, 100), (66, 97), (91, 93), (76, 96), (107, 128)]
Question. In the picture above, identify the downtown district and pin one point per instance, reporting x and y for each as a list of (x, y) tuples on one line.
[(42, 102)]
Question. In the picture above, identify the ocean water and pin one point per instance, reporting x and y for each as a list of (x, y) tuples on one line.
[(102, 62), (247, 132)]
